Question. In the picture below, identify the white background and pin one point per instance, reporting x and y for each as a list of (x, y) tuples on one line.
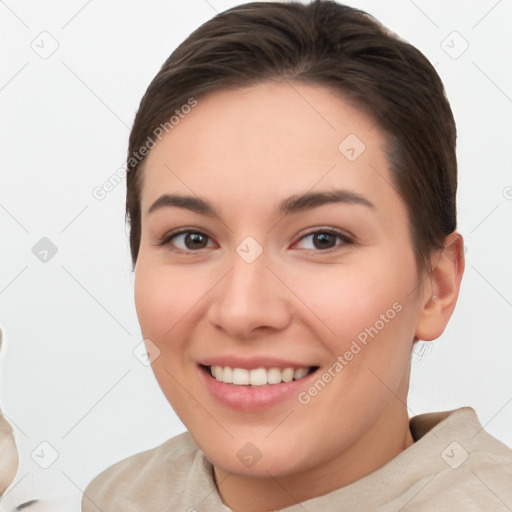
[(68, 373)]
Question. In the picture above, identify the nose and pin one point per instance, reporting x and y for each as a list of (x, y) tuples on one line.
[(251, 299)]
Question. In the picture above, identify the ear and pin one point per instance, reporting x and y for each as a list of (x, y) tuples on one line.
[(441, 288)]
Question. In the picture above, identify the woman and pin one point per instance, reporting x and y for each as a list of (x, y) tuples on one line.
[(291, 194)]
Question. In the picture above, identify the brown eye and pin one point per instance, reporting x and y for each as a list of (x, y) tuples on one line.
[(195, 240), (187, 240), (325, 240)]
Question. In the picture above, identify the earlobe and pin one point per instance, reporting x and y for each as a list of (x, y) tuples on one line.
[(443, 290)]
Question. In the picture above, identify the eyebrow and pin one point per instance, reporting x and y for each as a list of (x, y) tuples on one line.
[(291, 205)]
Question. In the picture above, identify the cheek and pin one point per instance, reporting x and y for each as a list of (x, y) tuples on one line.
[(164, 300), (367, 313), (148, 301), (352, 298), (163, 296), (368, 318)]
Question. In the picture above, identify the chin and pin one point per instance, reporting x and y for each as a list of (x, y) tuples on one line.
[(256, 459)]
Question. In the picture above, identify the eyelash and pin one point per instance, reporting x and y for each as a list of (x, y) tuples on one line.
[(346, 240)]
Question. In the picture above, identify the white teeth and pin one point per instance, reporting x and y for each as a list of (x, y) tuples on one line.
[(299, 373), (217, 372), (274, 376), (258, 376), (227, 375), (240, 376), (287, 375)]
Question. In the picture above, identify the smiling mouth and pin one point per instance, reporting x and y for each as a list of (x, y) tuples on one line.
[(257, 376)]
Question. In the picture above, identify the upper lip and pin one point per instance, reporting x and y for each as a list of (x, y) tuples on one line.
[(252, 363)]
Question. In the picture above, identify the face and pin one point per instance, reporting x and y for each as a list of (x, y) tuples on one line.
[(261, 276)]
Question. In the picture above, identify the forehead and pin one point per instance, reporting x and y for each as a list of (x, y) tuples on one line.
[(267, 141)]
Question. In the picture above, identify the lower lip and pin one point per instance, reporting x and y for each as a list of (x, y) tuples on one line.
[(252, 398)]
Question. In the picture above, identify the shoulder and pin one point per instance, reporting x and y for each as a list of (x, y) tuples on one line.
[(462, 428), (473, 469), (130, 480)]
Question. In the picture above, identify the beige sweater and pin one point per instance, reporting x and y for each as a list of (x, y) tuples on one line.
[(454, 465)]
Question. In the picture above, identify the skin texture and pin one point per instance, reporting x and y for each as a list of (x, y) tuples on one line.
[(244, 151)]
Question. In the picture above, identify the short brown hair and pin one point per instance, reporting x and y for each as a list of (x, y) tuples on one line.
[(328, 44)]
